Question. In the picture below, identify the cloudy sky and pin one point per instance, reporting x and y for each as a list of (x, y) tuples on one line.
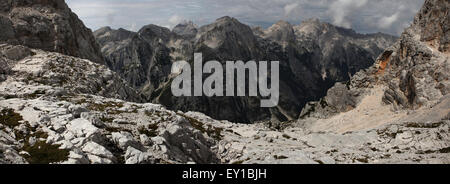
[(365, 16)]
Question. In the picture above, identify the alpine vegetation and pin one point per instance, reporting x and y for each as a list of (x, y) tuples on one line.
[(213, 84)]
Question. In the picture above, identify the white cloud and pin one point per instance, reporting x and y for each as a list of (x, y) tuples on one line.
[(289, 7), (133, 27), (362, 15), (387, 22), (342, 9), (175, 19)]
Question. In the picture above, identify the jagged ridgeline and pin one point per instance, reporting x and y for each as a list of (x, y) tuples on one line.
[(48, 25), (313, 56)]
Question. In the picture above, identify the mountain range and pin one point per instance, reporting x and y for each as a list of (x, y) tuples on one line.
[(313, 56), (70, 96)]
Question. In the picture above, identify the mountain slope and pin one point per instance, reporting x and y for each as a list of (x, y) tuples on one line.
[(61, 109), (48, 25), (397, 111), (409, 80), (309, 64)]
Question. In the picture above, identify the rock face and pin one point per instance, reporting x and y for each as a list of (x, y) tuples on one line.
[(313, 57), (188, 29), (48, 25), (70, 110), (433, 26), (139, 57), (414, 71), (62, 75)]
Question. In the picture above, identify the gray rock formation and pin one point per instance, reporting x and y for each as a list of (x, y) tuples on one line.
[(312, 60), (48, 25), (59, 74), (69, 109), (414, 70), (138, 57), (187, 29)]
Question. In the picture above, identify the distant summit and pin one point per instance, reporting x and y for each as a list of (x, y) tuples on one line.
[(188, 29)]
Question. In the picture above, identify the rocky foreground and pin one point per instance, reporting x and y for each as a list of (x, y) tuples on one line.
[(47, 117)]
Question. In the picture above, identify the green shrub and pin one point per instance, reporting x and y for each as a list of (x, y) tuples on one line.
[(150, 131), (43, 153)]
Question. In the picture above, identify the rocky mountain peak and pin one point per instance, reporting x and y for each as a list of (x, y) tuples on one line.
[(226, 19), (311, 21), (258, 31), (102, 30), (282, 32), (225, 25), (236, 39), (433, 25), (7, 5), (153, 33), (309, 26), (188, 29), (314, 27), (49, 25), (107, 34)]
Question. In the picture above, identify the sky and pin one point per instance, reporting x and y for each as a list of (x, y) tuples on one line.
[(364, 16)]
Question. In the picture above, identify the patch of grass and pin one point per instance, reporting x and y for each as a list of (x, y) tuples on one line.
[(445, 150), (21, 135), (112, 129), (81, 101), (363, 160), (10, 118), (41, 134), (115, 150), (286, 136), (150, 130), (211, 131), (9, 96), (281, 157), (423, 125), (63, 80), (215, 132), (40, 152), (43, 153), (135, 109), (233, 132), (35, 94), (238, 162), (107, 119), (67, 98), (104, 106), (29, 78), (319, 161)]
